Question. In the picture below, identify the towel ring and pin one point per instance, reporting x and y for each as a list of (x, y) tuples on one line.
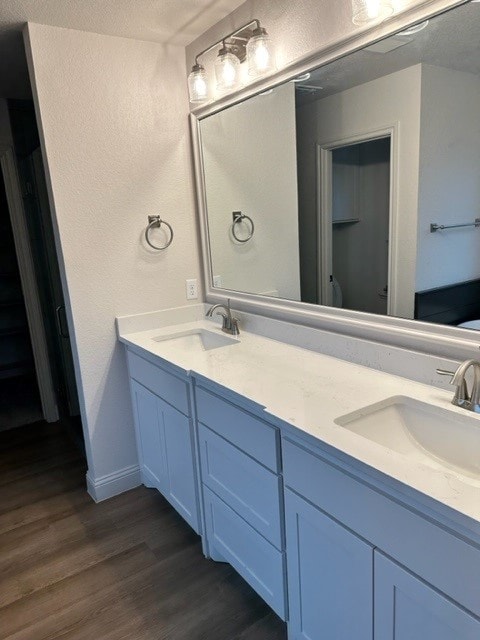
[(156, 221), (238, 217)]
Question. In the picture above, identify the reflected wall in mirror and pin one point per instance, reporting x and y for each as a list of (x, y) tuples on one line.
[(343, 174)]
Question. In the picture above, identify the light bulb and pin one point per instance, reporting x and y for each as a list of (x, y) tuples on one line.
[(366, 11), (197, 84), (227, 67), (373, 9), (260, 54)]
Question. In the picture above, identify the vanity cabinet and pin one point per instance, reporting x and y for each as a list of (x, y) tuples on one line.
[(165, 436), (243, 498), (332, 548), (363, 565)]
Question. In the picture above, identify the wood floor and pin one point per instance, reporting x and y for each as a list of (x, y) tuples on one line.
[(127, 568)]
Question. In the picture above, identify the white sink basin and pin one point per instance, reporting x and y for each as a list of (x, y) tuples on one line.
[(195, 339), (432, 435)]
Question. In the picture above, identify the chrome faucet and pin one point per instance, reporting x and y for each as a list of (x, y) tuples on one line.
[(229, 323), (461, 398)]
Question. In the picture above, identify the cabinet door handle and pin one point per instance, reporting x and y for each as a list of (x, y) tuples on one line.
[(61, 322)]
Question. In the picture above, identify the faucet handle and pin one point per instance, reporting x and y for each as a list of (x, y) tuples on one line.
[(461, 392), (225, 322), (234, 327)]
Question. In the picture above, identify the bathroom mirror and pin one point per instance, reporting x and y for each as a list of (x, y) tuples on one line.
[(356, 185)]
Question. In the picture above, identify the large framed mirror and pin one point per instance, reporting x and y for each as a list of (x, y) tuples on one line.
[(348, 196)]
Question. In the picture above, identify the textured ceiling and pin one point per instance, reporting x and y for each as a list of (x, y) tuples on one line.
[(450, 40), (166, 21)]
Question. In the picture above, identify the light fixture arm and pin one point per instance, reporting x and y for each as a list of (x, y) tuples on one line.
[(222, 41)]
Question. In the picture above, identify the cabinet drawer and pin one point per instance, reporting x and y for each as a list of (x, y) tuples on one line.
[(245, 431), (249, 488), (255, 559), (434, 553), (163, 384)]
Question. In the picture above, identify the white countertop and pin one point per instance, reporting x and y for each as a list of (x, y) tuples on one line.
[(309, 391)]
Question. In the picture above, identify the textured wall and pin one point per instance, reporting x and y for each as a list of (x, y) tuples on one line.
[(113, 116)]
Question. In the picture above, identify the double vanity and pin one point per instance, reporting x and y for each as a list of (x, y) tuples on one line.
[(348, 498)]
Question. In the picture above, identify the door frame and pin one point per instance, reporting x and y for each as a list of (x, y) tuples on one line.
[(324, 206), (29, 284)]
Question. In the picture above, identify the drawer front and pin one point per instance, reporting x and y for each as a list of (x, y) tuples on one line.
[(435, 554), (163, 384), (255, 559), (251, 490), (251, 435)]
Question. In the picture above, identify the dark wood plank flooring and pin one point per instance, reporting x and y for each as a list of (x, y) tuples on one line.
[(127, 568)]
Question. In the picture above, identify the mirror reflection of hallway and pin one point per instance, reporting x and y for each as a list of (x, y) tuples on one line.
[(359, 236)]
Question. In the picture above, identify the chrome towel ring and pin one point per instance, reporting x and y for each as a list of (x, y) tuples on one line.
[(238, 218), (156, 222)]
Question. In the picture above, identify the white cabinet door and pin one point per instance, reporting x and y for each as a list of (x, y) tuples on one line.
[(181, 486), (166, 453), (406, 608), (150, 438), (330, 576)]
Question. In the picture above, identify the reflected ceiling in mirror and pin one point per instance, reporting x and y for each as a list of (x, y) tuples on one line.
[(324, 190)]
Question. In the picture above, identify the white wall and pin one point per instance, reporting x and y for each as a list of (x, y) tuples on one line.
[(250, 161), (449, 177), (390, 101), (113, 120)]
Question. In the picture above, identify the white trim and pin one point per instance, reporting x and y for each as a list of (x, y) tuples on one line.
[(29, 285), (440, 340), (114, 483)]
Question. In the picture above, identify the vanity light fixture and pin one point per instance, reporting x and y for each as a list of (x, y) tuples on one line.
[(227, 69), (197, 84), (371, 11), (252, 45), (260, 55)]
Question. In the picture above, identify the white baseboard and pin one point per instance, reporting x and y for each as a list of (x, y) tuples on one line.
[(112, 484)]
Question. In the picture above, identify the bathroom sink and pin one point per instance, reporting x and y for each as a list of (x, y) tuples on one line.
[(202, 339), (434, 436)]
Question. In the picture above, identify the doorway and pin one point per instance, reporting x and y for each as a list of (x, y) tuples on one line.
[(19, 396), (355, 225), (40, 343)]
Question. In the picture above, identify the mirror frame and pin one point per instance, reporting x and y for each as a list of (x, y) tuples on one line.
[(441, 340)]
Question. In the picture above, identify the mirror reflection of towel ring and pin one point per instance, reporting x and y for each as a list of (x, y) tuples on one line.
[(156, 222), (239, 217)]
